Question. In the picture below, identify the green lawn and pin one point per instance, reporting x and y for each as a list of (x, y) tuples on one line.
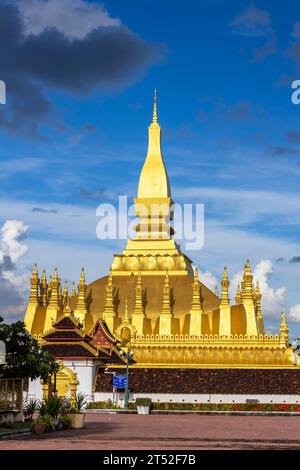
[(14, 426)]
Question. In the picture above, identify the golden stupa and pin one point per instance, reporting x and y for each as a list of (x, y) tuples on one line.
[(154, 302)]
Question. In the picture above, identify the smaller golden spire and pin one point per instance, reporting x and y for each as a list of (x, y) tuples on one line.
[(225, 285), (154, 118), (43, 289), (216, 291), (138, 308), (73, 291), (196, 301), (284, 331), (126, 320), (81, 309), (54, 295), (34, 281), (65, 296), (49, 288), (238, 295), (257, 301), (109, 307), (247, 289)]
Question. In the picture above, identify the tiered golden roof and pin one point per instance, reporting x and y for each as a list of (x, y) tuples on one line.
[(154, 301)]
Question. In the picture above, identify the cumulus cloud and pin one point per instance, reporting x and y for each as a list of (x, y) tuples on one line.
[(208, 279), (74, 46), (294, 314), (272, 299), (13, 285)]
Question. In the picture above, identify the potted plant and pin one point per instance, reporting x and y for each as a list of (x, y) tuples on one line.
[(40, 424), (52, 407), (143, 405), (29, 408), (77, 413), (65, 421)]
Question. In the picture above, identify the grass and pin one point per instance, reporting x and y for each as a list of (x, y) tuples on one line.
[(14, 426)]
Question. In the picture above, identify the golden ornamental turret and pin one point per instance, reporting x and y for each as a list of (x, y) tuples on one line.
[(238, 295), (225, 310), (65, 295), (81, 309), (216, 291), (33, 303), (49, 288), (165, 319), (126, 320), (284, 331), (196, 307), (252, 327), (258, 301), (54, 295), (43, 289), (225, 286), (34, 286), (109, 313), (60, 294), (54, 306), (73, 291), (138, 312)]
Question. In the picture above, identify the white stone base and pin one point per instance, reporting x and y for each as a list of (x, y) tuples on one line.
[(201, 398)]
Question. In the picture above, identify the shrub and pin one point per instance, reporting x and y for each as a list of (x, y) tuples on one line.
[(143, 401), (29, 408)]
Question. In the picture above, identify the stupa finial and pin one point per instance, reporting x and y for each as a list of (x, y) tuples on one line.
[(154, 118)]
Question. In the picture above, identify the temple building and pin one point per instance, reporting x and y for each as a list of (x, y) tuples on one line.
[(186, 340)]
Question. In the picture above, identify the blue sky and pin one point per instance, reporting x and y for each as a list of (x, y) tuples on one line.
[(74, 132)]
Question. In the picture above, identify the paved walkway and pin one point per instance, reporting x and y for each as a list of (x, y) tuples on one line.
[(168, 432)]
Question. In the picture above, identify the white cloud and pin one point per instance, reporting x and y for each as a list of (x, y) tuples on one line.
[(294, 314), (13, 285), (12, 233), (272, 300), (74, 18), (208, 279)]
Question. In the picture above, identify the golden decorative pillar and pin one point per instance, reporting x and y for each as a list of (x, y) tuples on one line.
[(247, 300), (138, 313), (165, 319), (73, 291), (225, 313), (33, 299), (238, 295), (284, 331), (260, 321), (81, 310), (43, 289), (196, 308), (54, 308), (109, 313), (65, 295)]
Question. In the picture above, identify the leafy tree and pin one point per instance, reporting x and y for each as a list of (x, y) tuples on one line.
[(24, 356)]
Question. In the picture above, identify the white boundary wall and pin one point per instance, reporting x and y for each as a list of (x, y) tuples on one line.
[(198, 398)]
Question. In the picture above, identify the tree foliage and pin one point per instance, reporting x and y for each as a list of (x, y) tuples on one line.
[(24, 356)]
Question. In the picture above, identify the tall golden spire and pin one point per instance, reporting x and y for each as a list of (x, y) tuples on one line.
[(225, 309), (154, 180), (34, 289), (73, 291)]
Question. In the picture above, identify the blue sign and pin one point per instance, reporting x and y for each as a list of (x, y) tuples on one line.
[(120, 381)]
